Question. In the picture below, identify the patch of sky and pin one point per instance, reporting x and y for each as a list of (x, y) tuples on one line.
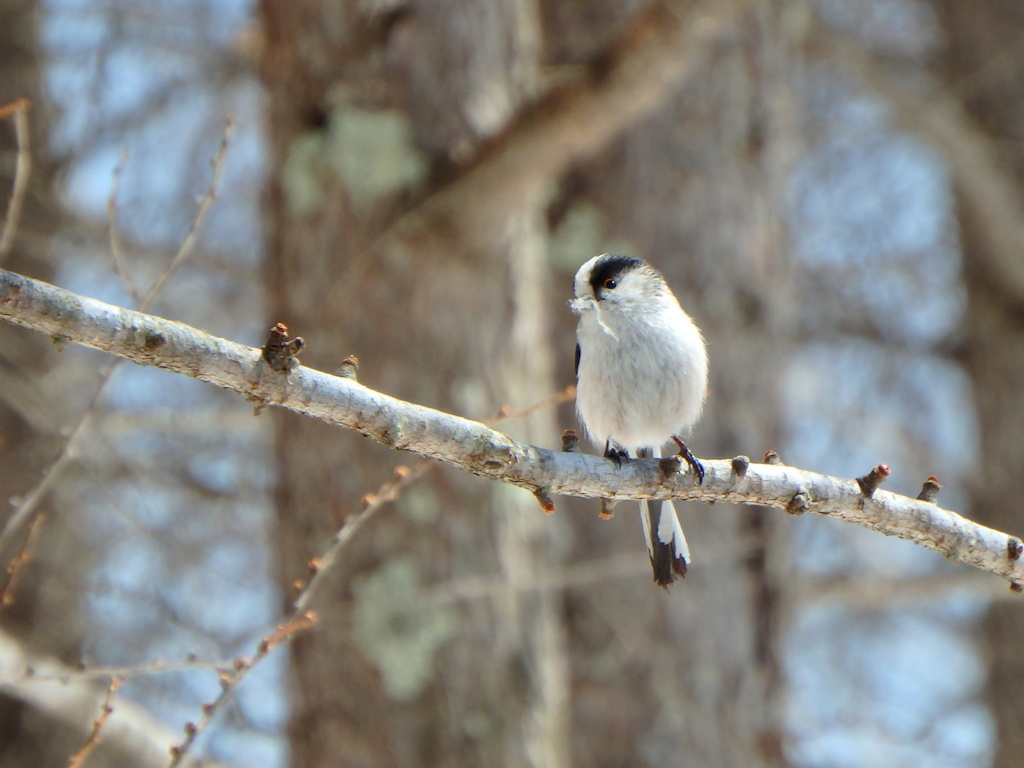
[(851, 401), (870, 200), (216, 470), (131, 508), (872, 208), (120, 588), (249, 748), (850, 405), (875, 687), (232, 589), (138, 388), (910, 27)]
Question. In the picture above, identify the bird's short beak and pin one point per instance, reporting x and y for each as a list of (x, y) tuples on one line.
[(579, 306)]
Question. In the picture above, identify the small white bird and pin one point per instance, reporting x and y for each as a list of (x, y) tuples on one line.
[(641, 378)]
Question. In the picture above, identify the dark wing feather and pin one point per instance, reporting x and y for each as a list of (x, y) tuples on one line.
[(577, 363)]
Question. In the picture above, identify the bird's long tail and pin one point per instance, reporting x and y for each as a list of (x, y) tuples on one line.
[(666, 542)]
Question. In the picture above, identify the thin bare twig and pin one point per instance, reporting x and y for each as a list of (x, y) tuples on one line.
[(61, 694), (30, 503), (114, 233), (6, 110), (506, 413), (390, 492), (78, 759), (373, 502), (126, 672), (19, 109), (300, 617), (192, 238), (19, 561), (231, 678), (23, 512)]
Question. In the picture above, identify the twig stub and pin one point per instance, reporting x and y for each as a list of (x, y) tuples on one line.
[(670, 465), (607, 507), (570, 441), (547, 504), (740, 465), (281, 352), (1014, 548), (930, 490), (154, 340), (869, 483), (800, 503), (349, 368)]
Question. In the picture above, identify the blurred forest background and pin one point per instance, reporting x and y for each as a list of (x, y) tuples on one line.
[(835, 190)]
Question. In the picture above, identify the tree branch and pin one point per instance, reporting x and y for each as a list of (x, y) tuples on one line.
[(475, 448), (60, 693), (664, 43)]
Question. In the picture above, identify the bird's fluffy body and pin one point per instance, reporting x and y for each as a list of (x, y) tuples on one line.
[(641, 377), (643, 368)]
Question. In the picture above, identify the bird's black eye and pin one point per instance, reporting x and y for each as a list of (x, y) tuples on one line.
[(611, 283)]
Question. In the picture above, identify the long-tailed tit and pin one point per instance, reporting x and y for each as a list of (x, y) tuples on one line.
[(641, 377)]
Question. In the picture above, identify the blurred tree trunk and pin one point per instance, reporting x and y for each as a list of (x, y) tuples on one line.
[(25, 416), (983, 68), (366, 110), (44, 614)]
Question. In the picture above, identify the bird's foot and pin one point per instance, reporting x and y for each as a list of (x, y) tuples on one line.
[(689, 458), (618, 456), (615, 454)]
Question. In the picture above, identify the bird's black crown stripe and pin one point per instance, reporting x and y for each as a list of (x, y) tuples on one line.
[(611, 266)]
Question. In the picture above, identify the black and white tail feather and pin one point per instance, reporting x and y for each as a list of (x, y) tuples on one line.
[(666, 542)]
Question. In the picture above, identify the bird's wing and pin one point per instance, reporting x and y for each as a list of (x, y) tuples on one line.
[(577, 362)]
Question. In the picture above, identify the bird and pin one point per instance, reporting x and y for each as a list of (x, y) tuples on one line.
[(641, 381)]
